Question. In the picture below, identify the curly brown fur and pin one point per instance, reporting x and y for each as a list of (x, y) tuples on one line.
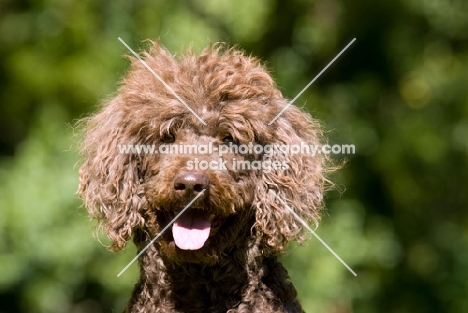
[(136, 195)]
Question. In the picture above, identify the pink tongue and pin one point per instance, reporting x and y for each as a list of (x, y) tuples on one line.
[(191, 230)]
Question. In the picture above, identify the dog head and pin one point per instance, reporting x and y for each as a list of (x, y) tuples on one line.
[(221, 99)]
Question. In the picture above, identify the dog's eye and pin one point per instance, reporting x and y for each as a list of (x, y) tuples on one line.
[(168, 138), (228, 139)]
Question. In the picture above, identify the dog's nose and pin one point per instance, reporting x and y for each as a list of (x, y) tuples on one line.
[(191, 183)]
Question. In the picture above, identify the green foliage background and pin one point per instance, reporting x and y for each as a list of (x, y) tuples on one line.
[(399, 94)]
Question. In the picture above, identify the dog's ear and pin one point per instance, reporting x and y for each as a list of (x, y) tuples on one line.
[(109, 180), (297, 184)]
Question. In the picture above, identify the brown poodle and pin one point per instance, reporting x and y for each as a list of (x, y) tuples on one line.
[(221, 254)]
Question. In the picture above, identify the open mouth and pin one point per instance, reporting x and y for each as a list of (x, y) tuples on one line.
[(193, 228)]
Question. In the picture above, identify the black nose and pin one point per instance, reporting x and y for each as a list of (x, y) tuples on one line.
[(190, 184)]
